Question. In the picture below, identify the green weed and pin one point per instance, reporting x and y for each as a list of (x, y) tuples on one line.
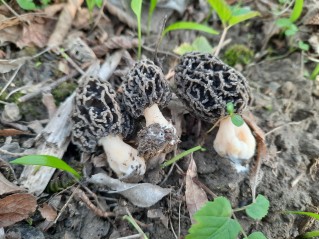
[(311, 234), (216, 220)]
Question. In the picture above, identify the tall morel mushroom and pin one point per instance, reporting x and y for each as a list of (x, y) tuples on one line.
[(144, 91), (205, 84), (98, 120)]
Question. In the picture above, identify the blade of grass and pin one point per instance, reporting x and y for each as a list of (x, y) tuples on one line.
[(296, 11), (153, 4), (314, 73), (136, 6), (309, 214), (189, 26), (181, 155), (46, 160), (243, 17), (223, 10), (311, 234)]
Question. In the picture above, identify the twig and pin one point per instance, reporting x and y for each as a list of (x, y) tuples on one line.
[(13, 154), (281, 126), (11, 79), (204, 187), (68, 59), (65, 205), (131, 237), (172, 228), (160, 51), (99, 212), (11, 9)]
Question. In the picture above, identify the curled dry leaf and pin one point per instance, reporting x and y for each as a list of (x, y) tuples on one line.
[(16, 207), (140, 194), (48, 212), (262, 154), (7, 187), (195, 196)]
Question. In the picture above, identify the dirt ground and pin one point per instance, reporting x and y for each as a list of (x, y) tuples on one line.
[(284, 104)]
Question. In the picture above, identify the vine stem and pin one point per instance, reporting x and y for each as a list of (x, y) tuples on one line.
[(221, 41), (241, 228)]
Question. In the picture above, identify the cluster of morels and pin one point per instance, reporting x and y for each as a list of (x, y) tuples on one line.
[(203, 83)]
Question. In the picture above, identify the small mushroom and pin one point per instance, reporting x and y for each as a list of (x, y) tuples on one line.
[(205, 84), (144, 91), (98, 120)]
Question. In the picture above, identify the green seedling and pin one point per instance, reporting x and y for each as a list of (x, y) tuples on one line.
[(287, 24), (200, 44), (153, 4), (136, 6), (46, 160), (236, 119), (216, 219), (181, 155), (303, 46), (92, 3), (30, 4), (315, 73), (311, 234)]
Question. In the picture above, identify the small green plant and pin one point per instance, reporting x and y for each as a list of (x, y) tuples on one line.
[(153, 4), (287, 24), (131, 220), (31, 4), (216, 220), (236, 119), (200, 44), (315, 73), (229, 15), (238, 54), (136, 6), (92, 3), (311, 234), (46, 160), (181, 155)]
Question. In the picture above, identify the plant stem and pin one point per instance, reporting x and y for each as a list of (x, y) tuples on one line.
[(221, 41), (181, 155), (240, 209), (134, 224), (139, 31), (241, 228)]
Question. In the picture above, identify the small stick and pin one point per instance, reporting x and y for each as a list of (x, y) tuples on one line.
[(11, 79)]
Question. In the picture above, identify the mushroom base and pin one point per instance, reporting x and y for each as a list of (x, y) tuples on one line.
[(236, 143), (155, 139), (122, 158)]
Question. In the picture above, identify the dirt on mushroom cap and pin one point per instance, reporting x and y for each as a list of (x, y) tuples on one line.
[(206, 84)]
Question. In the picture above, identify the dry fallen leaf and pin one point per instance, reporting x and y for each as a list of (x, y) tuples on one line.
[(48, 212), (12, 132), (140, 194), (16, 207), (7, 187), (195, 196)]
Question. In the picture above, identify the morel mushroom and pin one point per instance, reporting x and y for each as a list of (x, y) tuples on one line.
[(205, 84), (144, 90), (98, 121)]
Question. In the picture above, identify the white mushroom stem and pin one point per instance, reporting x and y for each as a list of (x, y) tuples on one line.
[(121, 157), (153, 115), (236, 143)]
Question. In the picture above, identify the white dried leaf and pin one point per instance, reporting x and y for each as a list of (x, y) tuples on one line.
[(140, 194)]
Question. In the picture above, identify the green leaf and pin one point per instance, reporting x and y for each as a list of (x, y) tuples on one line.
[(311, 234), (184, 48), (237, 120), (303, 46), (90, 4), (243, 17), (309, 214), (153, 4), (99, 3), (315, 72), (189, 26), (283, 22), (201, 44), (46, 160), (214, 221), (27, 4), (222, 8), (230, 108), (181, 155), (257, 235), (296, 11), (292, 30), (136, 6), (259, 208)]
